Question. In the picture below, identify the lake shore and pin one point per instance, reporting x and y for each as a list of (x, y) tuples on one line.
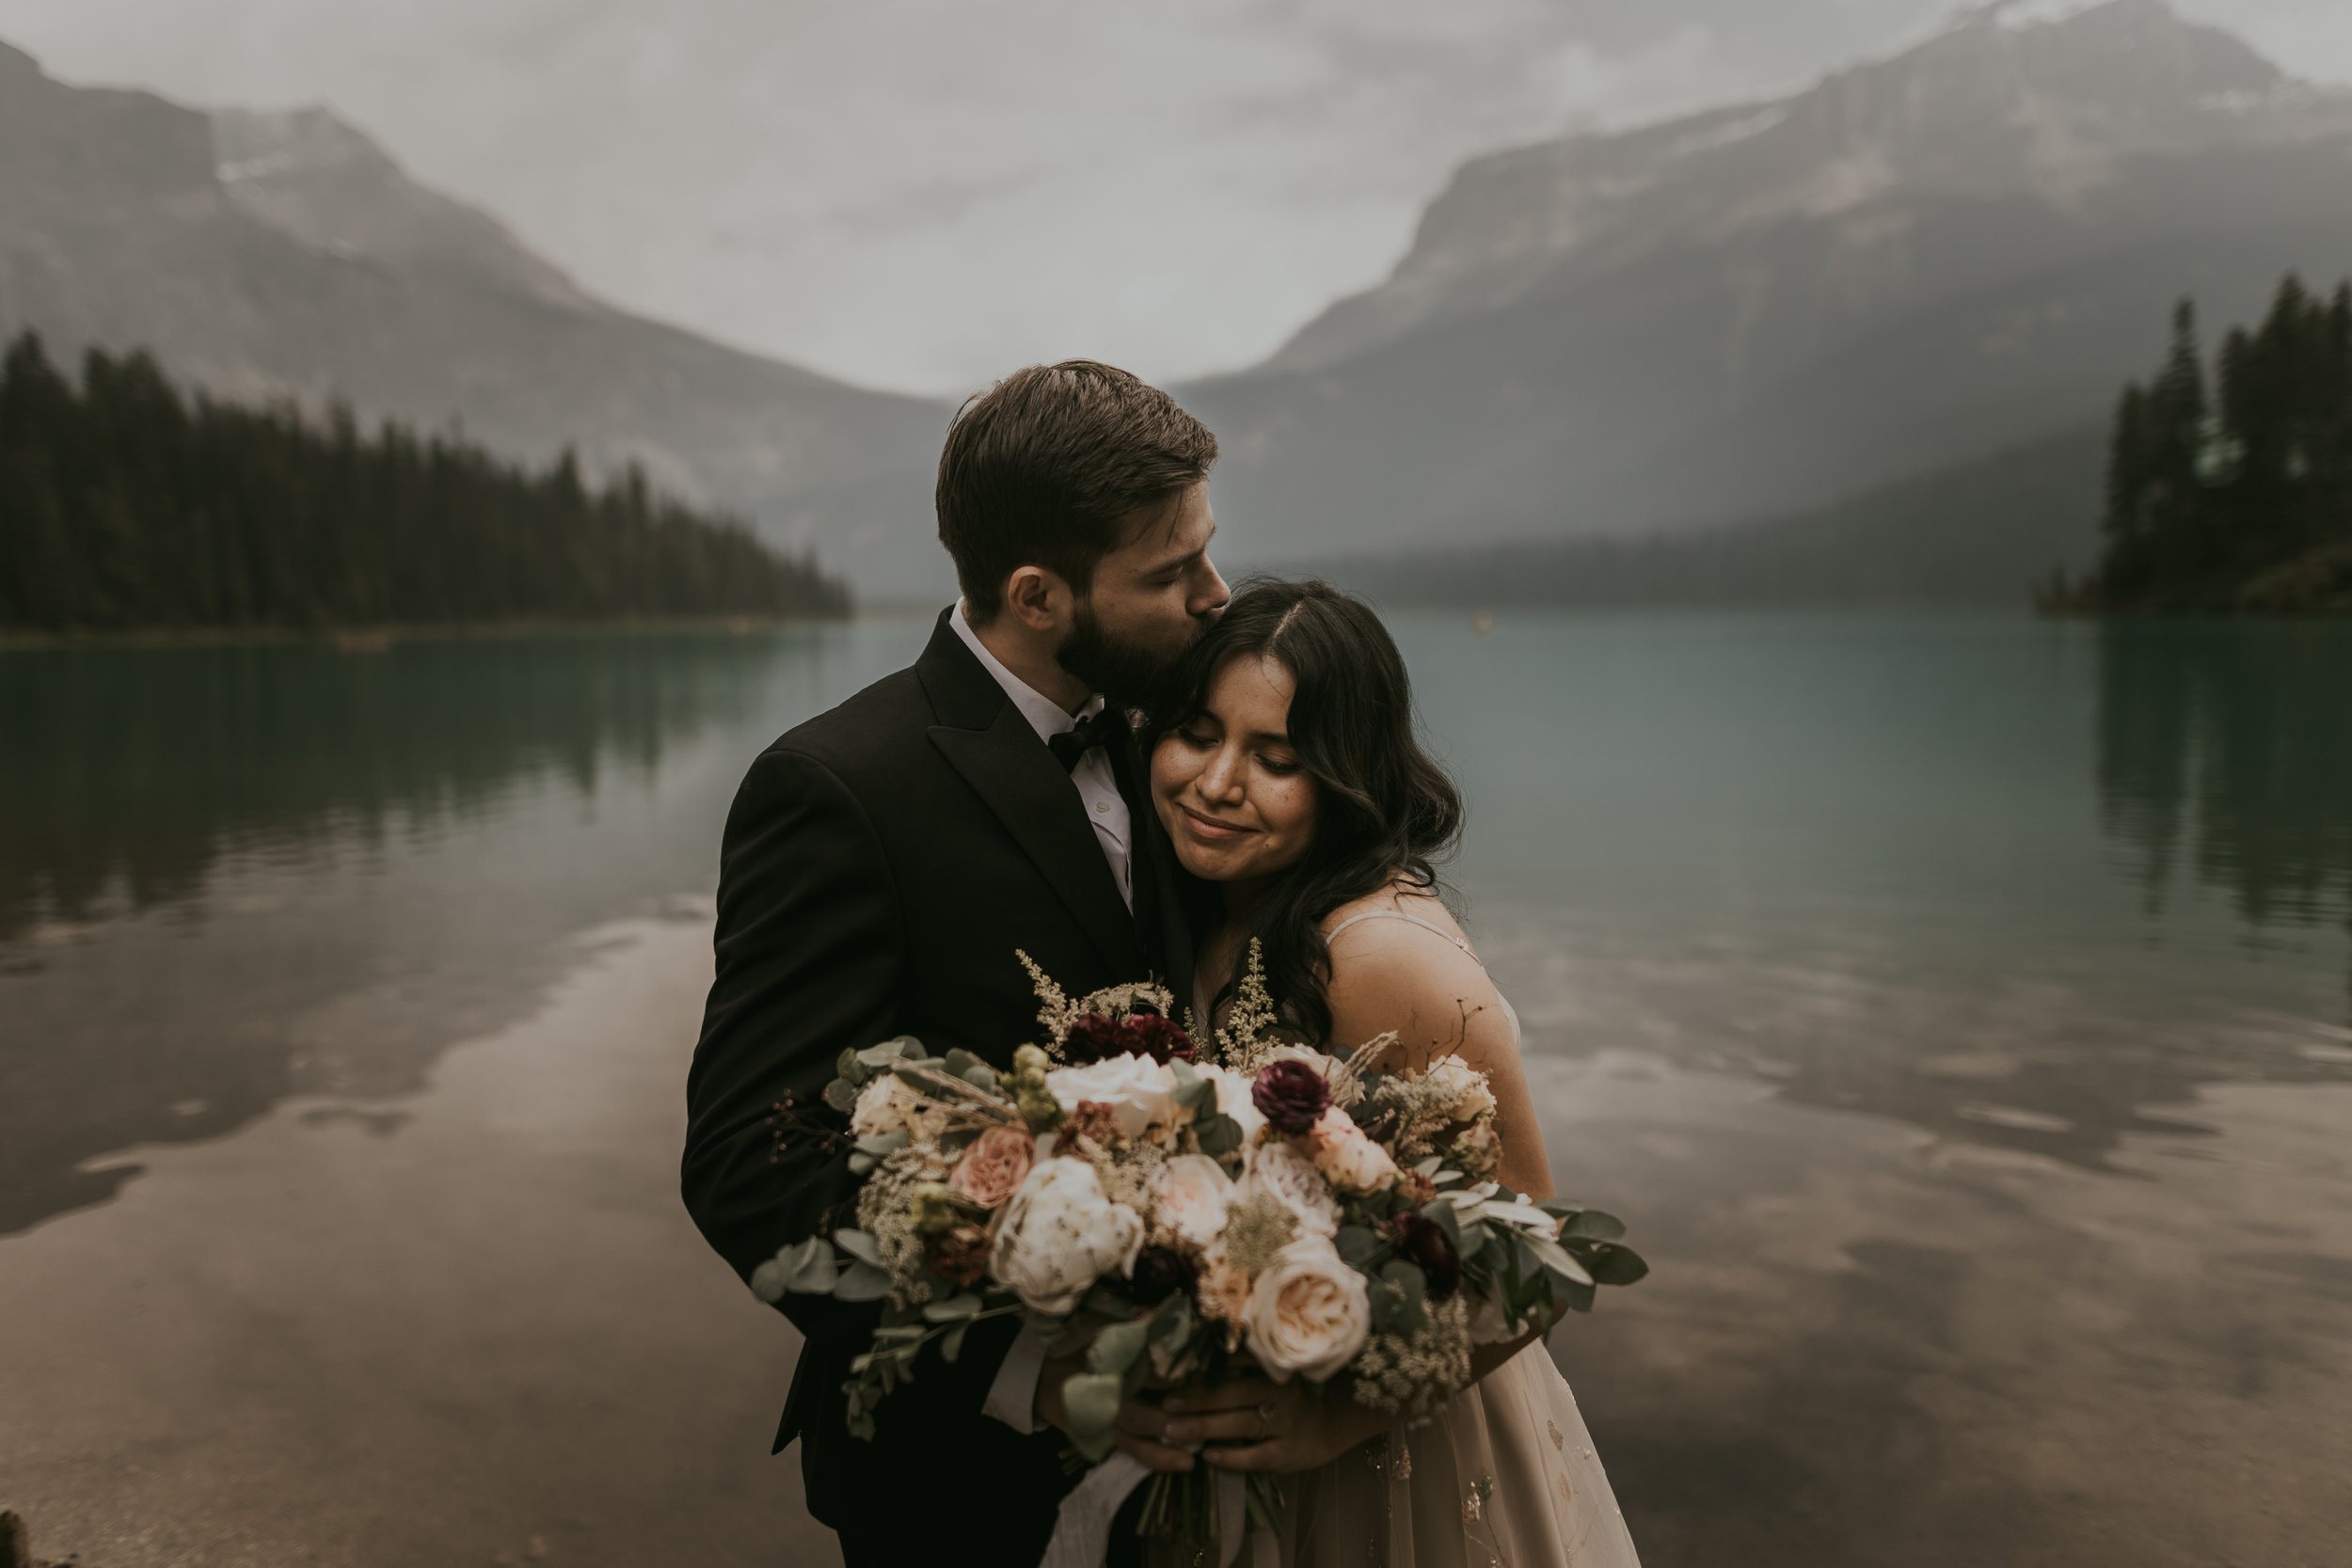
[(376, 638)]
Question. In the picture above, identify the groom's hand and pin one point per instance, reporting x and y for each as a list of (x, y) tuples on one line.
[(1136, 1429)]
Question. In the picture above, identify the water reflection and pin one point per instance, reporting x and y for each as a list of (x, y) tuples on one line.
[(132, 772), (230, 875), (2232, 743)]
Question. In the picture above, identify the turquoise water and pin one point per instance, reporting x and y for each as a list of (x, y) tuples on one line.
[(1960, 1010)]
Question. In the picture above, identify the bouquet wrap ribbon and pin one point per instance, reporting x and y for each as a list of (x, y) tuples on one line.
[(1082, 1530)]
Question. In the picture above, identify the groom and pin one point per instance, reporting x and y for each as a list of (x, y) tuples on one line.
[(883, 861)]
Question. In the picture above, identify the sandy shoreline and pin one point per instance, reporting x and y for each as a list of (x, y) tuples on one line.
[(471, 1325)]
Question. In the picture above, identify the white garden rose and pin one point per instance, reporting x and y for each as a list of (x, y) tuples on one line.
[(1060, 1234), (1281, 1172), (1308, 1314), (1138, 1090), (887, 1104), (1189, 1202), (1460, 1088), (1233, 1099)]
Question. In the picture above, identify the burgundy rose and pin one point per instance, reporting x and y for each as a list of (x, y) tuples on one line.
[(1290, 1096), (1160, 1038), (1093, 1038), (1160, 1272), (1425, 1244), (1097, 1035)]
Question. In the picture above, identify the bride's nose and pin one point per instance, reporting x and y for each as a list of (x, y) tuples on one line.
[(1221, 777)]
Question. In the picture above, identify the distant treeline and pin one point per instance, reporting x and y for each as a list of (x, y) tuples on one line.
[(1979, 535), (127, 506), (2234, 492)]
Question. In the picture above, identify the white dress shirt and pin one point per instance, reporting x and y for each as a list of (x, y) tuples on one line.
[(1097, 785), (1012, 1394)]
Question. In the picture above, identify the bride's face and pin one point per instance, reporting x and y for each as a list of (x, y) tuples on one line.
[(1229, 789)]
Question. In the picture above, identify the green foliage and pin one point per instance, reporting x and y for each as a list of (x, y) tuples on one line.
[(2241, 497), (126, 506)]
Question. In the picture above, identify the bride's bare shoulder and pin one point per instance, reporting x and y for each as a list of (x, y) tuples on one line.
[(1415, 975)]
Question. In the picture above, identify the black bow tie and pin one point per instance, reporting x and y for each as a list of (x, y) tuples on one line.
[(1106, 728)]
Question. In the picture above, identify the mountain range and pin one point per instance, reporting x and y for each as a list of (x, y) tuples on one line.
[(1915, 266), (288, 254), (1928, 274)]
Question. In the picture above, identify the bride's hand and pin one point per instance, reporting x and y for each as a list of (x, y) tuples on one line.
[(1253, 1423)]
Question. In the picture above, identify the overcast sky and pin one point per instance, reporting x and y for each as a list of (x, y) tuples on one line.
[(920, 193)]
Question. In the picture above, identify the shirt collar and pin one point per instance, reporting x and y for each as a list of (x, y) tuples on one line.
[(1046, 716)]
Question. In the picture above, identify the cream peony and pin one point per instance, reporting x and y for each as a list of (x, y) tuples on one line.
[(1308, 1313), (1348, 1159), (1461, 1088), (1189, 1202), (1281, 1173), (1136, 1088), (1233, 1099), (1060, 1234)]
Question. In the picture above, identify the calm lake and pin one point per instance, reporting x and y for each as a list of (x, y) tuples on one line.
[(1959, 1010)]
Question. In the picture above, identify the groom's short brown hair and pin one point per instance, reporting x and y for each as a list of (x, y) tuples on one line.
[(1046, 467)]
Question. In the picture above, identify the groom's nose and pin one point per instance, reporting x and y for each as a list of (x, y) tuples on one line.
[(1210, 602)]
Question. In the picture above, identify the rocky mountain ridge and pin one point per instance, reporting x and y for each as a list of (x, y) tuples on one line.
[(263, 255)]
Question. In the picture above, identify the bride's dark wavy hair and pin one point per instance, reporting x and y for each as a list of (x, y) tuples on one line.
[(1385, 810)]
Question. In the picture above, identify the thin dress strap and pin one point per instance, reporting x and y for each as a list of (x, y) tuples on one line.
[(1409, 919)]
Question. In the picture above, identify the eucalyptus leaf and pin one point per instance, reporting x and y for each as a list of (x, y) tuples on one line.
[(769, 1280), (1090, 1401), (1358, 1245), (1218, 1133), (862, 1282), (841, 1095), (953, 1308), (1611, 1264), (858, 1245), (884, 1054), (1115, 1349), (815, 1273), (981, 1077), (960, 1062), (1442, 1214), (1407, 1277), (861, 1163), (1555, 1257), (1592, 1224), (951, 1344)]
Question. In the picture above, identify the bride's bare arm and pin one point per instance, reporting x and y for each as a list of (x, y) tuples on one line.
[(1392, 975)]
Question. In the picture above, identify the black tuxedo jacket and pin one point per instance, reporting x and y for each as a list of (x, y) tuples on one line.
[(882, 863)]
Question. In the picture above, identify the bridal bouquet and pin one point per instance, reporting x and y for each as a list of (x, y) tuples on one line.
[(1177, 1209)]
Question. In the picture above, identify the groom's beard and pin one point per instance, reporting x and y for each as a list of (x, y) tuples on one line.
[(1126, 674)]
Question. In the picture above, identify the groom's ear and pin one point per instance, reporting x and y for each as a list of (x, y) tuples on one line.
[(1038, 598)]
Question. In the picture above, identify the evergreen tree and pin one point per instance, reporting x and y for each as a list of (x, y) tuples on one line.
[(2242, 501), (124, 505)]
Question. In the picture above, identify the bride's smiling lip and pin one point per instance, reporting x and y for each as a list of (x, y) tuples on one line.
[(1208, 827)]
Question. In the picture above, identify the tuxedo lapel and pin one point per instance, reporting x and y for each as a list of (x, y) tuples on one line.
[(986, 739)]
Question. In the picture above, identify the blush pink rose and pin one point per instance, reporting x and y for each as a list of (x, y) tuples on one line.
[(1347, 1158), (992, 1169)]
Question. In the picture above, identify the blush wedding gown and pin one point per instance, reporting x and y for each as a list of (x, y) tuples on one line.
[(1503, 1476)]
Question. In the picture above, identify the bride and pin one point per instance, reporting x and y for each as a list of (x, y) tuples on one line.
[(1287, 775)]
